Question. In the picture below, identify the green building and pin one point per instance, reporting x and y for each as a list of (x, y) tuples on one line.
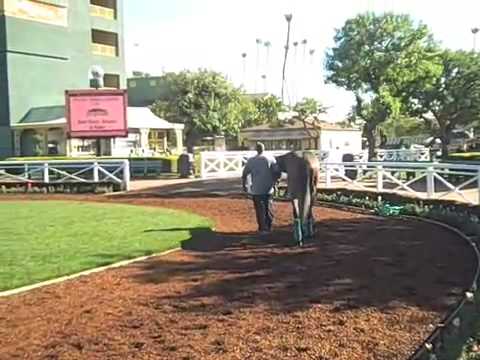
[(47, 47), (145, 90)]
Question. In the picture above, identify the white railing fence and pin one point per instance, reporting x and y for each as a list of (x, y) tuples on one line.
[(220, 164), (417, 178), (403, 155), (424, 180), (408, 155), (61, 172)]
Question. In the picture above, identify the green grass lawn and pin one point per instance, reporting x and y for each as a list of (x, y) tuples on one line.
[(45, 240)]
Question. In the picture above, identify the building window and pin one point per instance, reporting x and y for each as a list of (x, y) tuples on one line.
[(132, 84), (48, 12), (112, 81), (106, 9), (156, 141), (294, 144), (104, 43), (153, 82)]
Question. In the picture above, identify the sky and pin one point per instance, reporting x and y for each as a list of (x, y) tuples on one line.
[(173, 35)]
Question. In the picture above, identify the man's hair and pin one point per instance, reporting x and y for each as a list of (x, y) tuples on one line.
[(260, 148)]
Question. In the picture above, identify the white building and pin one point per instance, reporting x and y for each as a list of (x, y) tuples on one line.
[(292, 135), (43, 131)]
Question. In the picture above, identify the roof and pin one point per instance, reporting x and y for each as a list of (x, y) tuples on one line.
[(298, 125), (42, 114), (137, 118)]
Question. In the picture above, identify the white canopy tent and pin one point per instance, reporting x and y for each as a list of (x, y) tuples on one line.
[(148, 134)]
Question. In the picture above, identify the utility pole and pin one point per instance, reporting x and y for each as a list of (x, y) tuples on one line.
[(288, 17)]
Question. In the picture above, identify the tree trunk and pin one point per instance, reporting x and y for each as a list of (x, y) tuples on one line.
[(370, 135), (445, 137), (445, 142), (190, 138)]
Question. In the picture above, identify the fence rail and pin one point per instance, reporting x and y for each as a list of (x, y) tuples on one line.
[(424, 180), (66, 172), (427, 180), (221, 164)]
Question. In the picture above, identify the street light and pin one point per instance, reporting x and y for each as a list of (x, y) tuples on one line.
[(475, 31), (288, 17)]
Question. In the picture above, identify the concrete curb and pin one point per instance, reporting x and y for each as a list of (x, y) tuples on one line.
[(83, 273)]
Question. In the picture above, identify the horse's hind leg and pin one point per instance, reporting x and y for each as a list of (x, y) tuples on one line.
[(310, 223), (297, 223)]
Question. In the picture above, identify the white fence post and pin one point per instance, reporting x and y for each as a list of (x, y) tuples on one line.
[(46, 175), (95, 172), (202, 165), (430, 182), (328, 176), (379, 178), (126, 175)]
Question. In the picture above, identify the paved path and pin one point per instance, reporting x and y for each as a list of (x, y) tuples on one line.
[(232, 187), (189, 187)]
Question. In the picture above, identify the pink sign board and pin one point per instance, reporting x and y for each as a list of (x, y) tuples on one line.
[(97, 114)]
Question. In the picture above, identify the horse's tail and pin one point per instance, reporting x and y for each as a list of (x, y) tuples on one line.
[(306, 199)]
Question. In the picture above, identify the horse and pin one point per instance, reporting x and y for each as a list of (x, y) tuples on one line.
[(302, 180)]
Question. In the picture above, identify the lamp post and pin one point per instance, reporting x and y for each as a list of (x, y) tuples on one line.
[(288, 17), (96, 77), (475, 31)]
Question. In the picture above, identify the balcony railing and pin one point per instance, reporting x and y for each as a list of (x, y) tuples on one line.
[(104, 50), (102, 12)]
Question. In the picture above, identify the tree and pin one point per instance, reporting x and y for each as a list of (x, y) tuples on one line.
[(308, 107), (377, 58), (452, 100), (204, 101), (403, 125), (267, 109)]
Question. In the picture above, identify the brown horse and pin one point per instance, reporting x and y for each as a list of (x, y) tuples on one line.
[(302, 181)]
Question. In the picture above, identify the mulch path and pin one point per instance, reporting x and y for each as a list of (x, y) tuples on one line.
[(365, 288)]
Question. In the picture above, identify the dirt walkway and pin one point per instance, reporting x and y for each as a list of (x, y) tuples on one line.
[(366, 288)]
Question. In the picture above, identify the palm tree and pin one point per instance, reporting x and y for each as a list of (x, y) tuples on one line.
[(288, 17), (312, 53), (267, 45), (244, 65), (295, 71), (264, 77), (304, 43), (475, 32), (259, 43)]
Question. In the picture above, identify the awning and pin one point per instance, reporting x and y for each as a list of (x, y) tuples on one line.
[(54, 116)]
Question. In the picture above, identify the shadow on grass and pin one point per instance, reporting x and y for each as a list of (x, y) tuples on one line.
[(351, 264)]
